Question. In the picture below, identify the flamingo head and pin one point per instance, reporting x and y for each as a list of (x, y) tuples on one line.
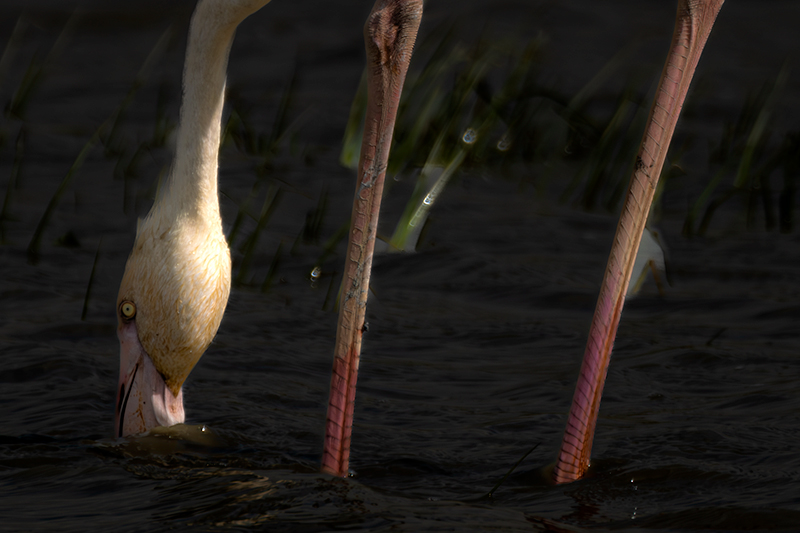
[(170, 304)]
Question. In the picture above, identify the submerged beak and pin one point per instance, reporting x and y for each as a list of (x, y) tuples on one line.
[(143, 399)]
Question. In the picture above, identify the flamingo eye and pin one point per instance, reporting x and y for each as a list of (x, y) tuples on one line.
[(127, 310)]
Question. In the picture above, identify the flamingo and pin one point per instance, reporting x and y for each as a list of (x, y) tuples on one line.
[(389, 36), (693, 24), (177, 278)]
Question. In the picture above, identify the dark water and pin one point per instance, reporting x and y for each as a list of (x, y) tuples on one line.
[(474, 343)]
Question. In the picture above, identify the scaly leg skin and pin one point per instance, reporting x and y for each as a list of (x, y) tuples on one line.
[(389, 35), (692, 27)]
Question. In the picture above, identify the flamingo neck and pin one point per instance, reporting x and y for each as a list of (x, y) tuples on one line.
[(192, 187)]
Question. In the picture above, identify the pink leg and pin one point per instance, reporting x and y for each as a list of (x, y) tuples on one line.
[(693, 24), (389, 34)]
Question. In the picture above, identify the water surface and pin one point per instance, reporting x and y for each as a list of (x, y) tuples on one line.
[(474, 343)]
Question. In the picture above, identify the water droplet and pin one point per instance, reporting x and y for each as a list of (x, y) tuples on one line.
[(470, 136), (504, 143), (316, 273), (429, 199)]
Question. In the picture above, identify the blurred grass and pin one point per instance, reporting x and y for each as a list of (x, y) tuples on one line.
[(107, 133), (479, 107), (12, 182), (521, 128), (748, 156)]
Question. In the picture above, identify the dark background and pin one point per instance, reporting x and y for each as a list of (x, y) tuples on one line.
[(474, 342)]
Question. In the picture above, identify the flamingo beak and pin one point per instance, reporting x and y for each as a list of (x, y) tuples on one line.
[(143, 399)]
